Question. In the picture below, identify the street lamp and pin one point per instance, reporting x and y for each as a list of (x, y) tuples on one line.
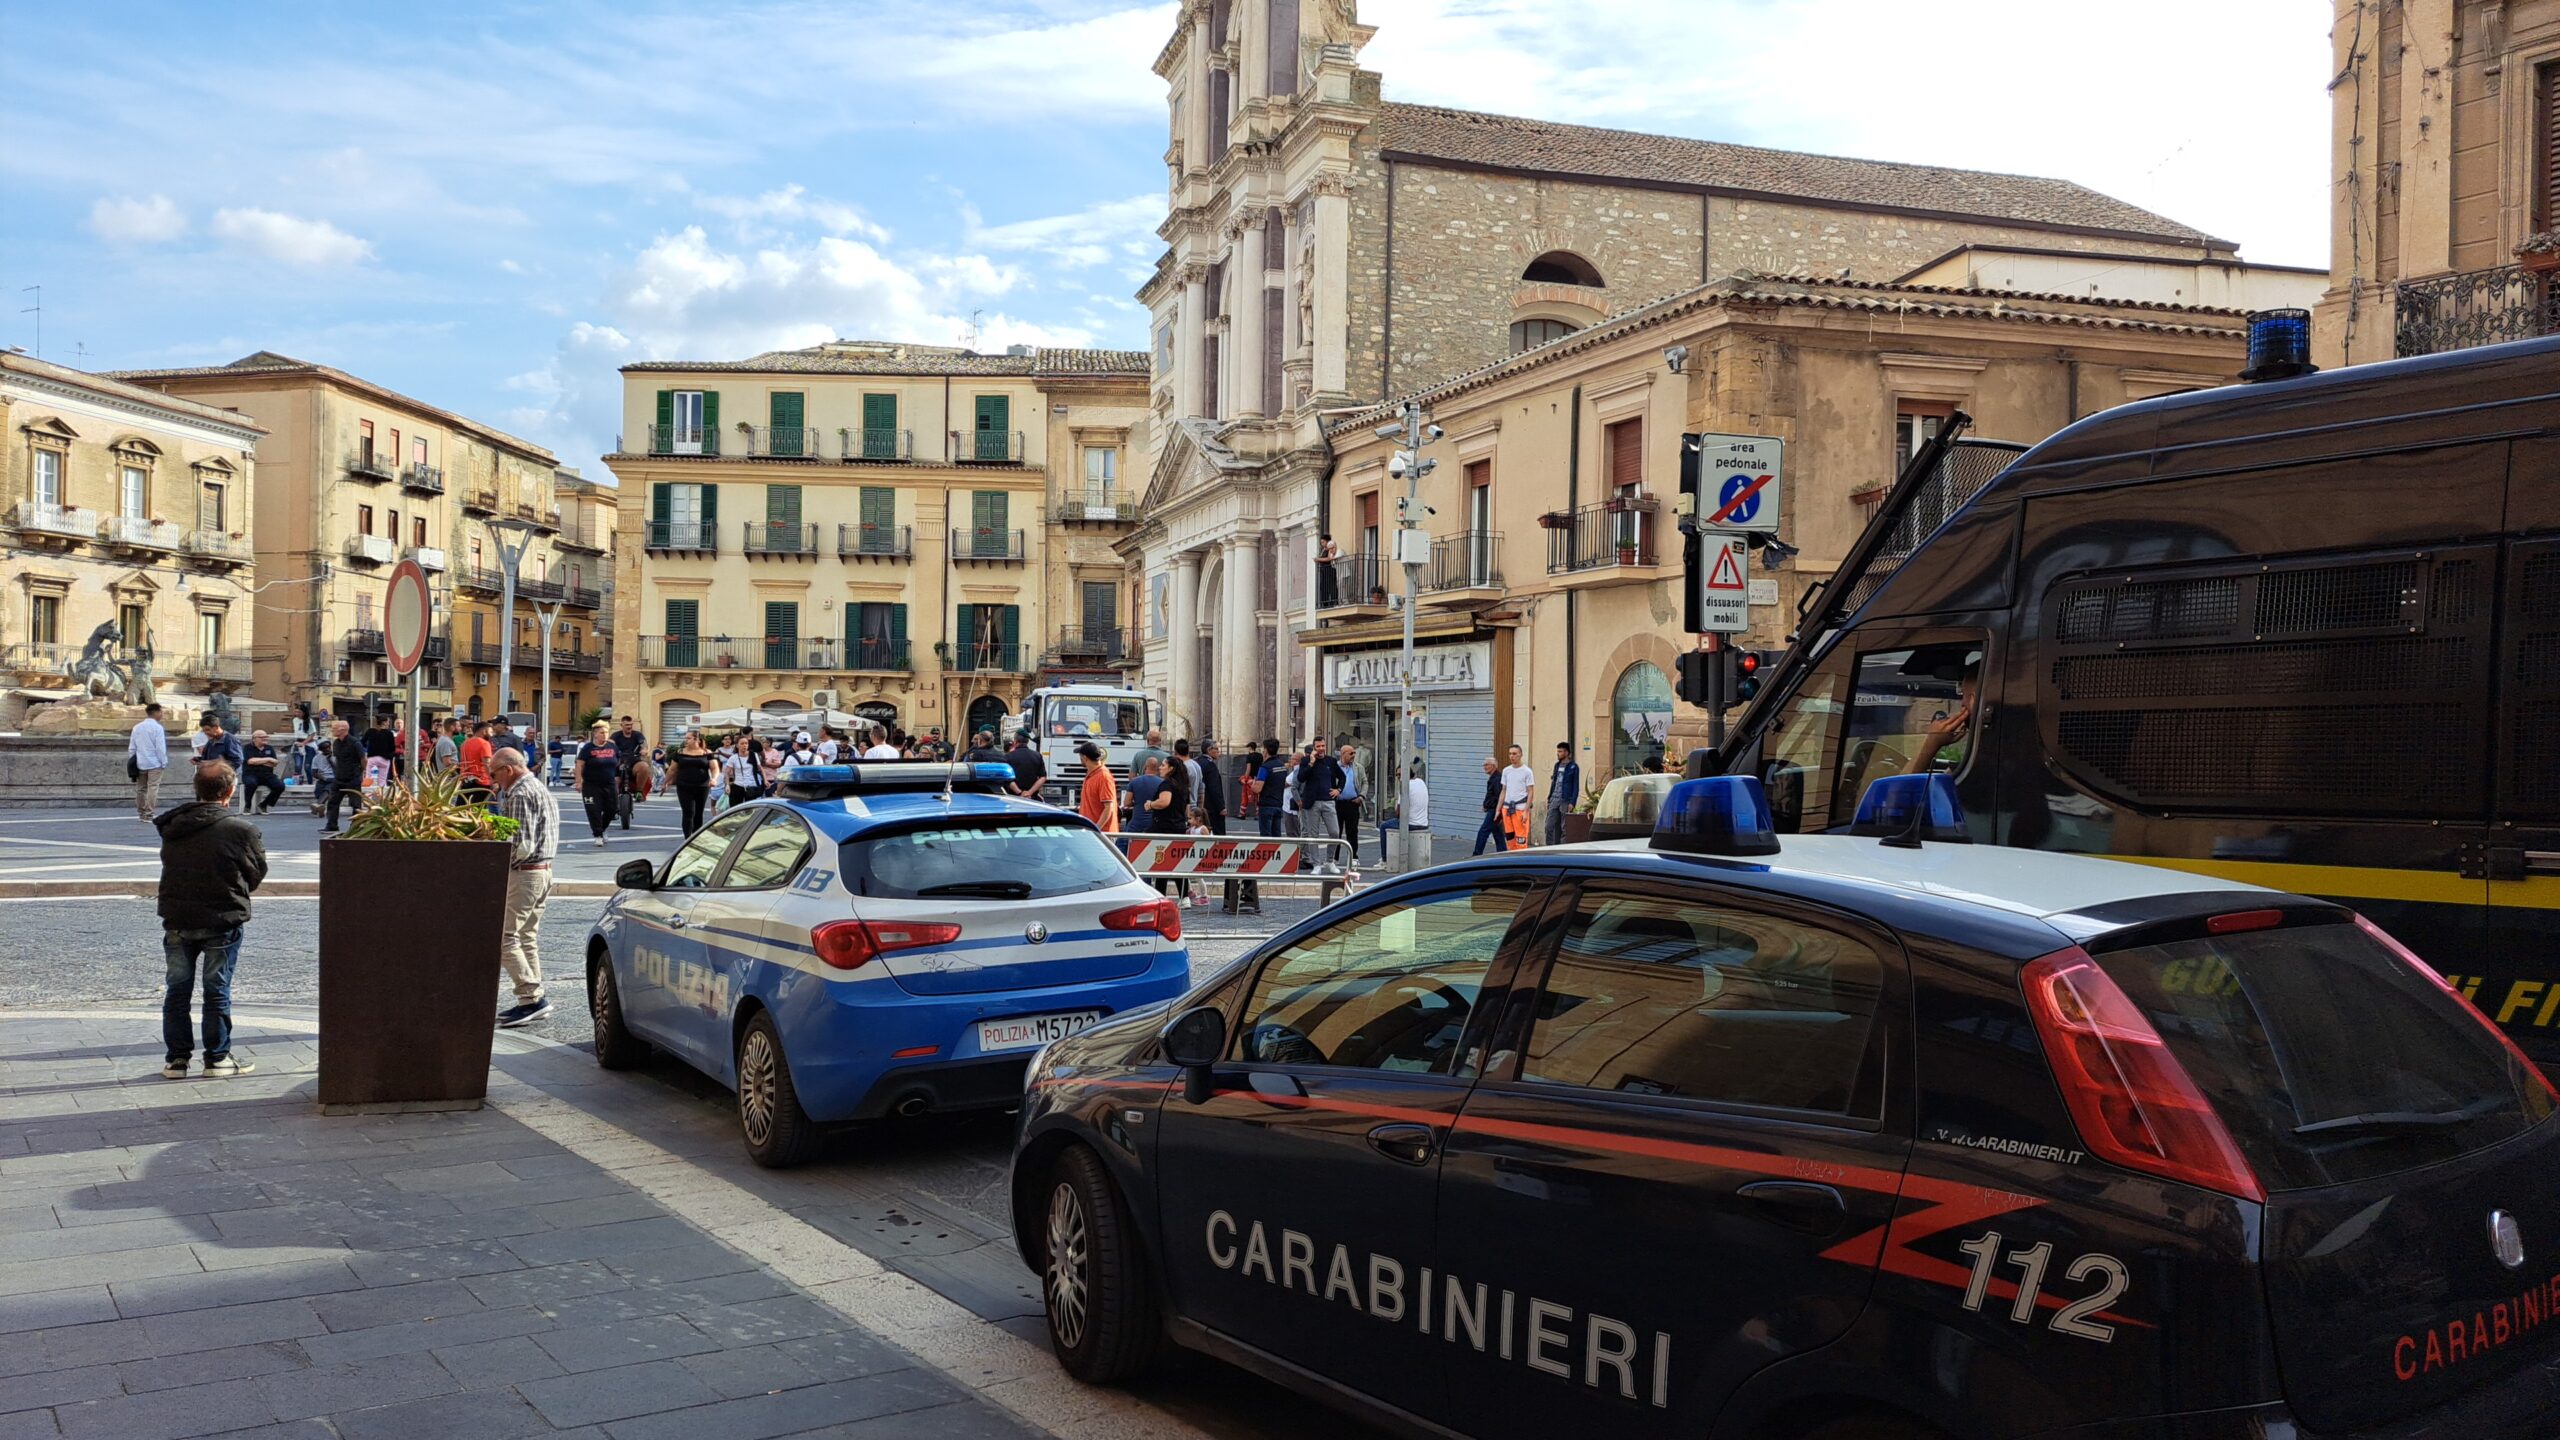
[(558, 573), (512, 536), (1413, 547)]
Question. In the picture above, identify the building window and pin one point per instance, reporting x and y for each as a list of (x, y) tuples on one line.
[(364, 519), (44, 619), (1164, 348), (418, 532), (1626, 453), (212, 508), (2546, 147), (1639, 718), (133, 622), (208, 632), (1369, 523), (364, 440), (1101, 467), (1220, 106), (418, 452), (1561, 267), (1530, 334), (684, 433), (1916, 423), (1479, 497), (49, 478), (391, 530), (134, 495)]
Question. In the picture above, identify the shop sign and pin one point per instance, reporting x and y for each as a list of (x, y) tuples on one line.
[(1435, 667)]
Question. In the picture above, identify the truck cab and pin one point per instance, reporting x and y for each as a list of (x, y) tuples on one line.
[(1061, 717)]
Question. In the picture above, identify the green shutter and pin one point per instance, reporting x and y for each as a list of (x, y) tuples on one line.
[(852, 632), (879, 510), (658, 504), (710, 507), (1011, 635), (995, 428), (987, 510), (684, 625), (898, 625), (879, 413), (710, 426), (789, 412), (782, 505), (664, 439), (781, 635), (965, 650)]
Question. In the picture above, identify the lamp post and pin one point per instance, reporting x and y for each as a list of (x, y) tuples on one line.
[(513, 536), (1413, 547), (557, 572)]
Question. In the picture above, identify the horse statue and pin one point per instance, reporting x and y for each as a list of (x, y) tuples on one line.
[(96, 672)]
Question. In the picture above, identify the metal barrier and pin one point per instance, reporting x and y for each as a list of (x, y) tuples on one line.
[(1329, 864)]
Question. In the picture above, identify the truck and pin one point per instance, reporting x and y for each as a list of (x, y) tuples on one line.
[(1061, 717)]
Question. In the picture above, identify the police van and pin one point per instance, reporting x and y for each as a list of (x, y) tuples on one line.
[(2303, 633), (1880, 1134), (877, 939)]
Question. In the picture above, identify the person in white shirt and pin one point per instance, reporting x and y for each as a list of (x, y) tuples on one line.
[(1416, 818), (880, 749), (827, 749), (147, 751), (1517, 781)]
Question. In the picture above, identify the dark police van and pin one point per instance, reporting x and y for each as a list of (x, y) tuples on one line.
[(2303, 633), (1867, 1135)]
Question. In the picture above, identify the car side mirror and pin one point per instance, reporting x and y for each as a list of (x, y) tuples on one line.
[(1194, 1040), (636, 875)]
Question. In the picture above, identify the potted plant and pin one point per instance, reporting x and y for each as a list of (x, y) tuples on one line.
[(2539, 254), (1555, 520), (412, 900), (1626, 553)]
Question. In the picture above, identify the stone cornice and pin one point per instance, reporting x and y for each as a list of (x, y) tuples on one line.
[(244, 436)]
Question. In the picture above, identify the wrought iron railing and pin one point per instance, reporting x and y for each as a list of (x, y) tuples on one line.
[(782, 442), (723, 652), (40, 658), (683, 440), (229, 665), (585, 597), (365, 642), (683, 535), (480, 501), (1098, 507), (577, 662), (2475, 307), (974, 544), (980, 656), (581, 534), (1106, 643), (479, 578), (767, 538), (536, 587), (1617, 531), (876, 444), (1357, 579), (369, 465), (987, 447), (1468, 560), (426, 479), (871, 652), (876, 542)]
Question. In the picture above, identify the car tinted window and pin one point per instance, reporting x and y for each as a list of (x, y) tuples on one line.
[(692, 867), (770, 854), (2329, 1058), (992, 860), (1654, 994), (1390, 988), (1910, 710)]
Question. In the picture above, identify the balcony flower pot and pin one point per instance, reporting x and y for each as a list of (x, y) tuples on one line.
[(1626, 554), (1555, 520), (412, 901), (2539, 254)]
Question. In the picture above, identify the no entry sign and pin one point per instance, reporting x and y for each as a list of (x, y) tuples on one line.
[(408, 612)]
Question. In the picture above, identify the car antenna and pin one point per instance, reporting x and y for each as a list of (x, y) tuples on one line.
[(1908, 837), (947, 767)]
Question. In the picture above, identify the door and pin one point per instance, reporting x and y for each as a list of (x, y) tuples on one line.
[(879, 427), (684, 630), (1101, 624), (1298, 1198), (685, 423), (878, 535), (1693, 1104), (2524, 847), (987, 516), (666, 960), (730, 921), (995, 428), (781, 635)]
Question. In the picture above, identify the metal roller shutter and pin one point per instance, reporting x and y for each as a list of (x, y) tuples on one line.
[(675, 717), (1461, 736)]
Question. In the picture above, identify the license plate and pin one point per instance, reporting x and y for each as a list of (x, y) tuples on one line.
[(1023, 1032)]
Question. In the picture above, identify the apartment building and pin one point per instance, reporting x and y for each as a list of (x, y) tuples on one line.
[(916, 534), (127, 519), (562, 543), (353, 477)]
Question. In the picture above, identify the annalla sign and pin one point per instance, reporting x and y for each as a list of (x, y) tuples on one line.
[(1435, 667)]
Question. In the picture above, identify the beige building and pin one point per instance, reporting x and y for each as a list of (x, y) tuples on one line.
[(1327, 247), (565, 525), (127, 522), (354, 477), (1551, 610), (2445, 157), (910, 533)]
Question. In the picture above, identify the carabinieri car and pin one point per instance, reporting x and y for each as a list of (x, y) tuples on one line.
[(876, 939), (1877, 1135)]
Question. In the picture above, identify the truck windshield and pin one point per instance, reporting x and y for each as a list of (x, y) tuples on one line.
[(1094, 718)]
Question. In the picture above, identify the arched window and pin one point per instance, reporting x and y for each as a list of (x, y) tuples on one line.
[(1639, 718), (1530, 334), (1561, 267)]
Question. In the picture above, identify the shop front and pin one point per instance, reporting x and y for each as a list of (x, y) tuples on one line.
[(1453, 720)]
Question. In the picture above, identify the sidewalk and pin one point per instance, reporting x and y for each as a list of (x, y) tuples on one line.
[(182, 1258)]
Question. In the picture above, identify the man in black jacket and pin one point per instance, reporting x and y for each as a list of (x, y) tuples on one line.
[(346, 767), (210, 859)]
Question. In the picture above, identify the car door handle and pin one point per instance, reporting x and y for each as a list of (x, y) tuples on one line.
[(1816, 1210), (1404, 1143), (675, 922)]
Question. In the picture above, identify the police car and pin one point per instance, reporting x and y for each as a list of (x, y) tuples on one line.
[(1876, 1134), (876, 939)]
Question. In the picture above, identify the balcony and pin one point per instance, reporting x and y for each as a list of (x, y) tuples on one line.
[(986, 447), (132, 532), (1098, 507), (982, 658), (370, 467), (1090, 645), (429, 558), (582, 533), (2476, 307), (873, 652), (40, 660), (477, 501), (583, 597), (721, 652), (683, 440), (875, 542), (771, 540), (995, 547), (539, 517), (371, 550), (690, 537), (1359, 582), (39, 523), (782, 442), (479, 579), (535, 587), (228, 666), (1598, 544), (1470, 560), (365, 642), (215, 548), (423, 478), (877, 446)]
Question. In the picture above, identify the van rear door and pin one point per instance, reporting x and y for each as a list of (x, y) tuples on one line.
[(2522, 856), (2411, 1252)]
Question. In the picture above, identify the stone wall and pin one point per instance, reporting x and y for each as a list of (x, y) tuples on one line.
[(1775, 238), (39, 771)]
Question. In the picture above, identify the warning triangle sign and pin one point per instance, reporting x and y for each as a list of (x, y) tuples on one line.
[(1726, 572)]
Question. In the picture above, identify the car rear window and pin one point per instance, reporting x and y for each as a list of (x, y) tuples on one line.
[(2328, 1057), (1000, 860)]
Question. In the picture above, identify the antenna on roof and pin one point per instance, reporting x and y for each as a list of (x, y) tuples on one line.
[(968, 340)]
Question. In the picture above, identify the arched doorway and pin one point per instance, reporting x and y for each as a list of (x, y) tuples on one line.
[(1639, 717), (985, 713)]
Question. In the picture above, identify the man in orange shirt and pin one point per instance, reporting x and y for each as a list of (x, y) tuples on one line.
[(474, 764), (1099, 800)]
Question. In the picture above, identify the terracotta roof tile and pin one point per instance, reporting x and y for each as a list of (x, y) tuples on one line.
[(268, 362), (880, 357), (1470, 137)]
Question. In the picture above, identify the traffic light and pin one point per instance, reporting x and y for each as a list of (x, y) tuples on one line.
[(1697, 675), (1745, 676)]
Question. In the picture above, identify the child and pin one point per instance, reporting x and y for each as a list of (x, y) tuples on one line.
[(1196, 822)]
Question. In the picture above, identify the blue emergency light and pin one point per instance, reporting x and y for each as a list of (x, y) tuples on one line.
[(2279, 345), (815, 782), (1907, 809), (1719, 815)]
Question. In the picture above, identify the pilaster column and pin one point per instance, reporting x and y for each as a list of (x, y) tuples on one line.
[(1244, 327), (1331, 338), (1190, 390), (1246, 692), (1184, 626)]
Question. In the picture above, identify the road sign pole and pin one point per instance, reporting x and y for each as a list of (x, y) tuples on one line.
[(416, 725)]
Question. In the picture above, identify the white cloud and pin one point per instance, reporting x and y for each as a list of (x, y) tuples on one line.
[(289, 239), (123, 220), (511, 267), (759, 217), (1082, 238)]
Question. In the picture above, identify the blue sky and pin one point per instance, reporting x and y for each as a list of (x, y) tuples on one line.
[(491, 206)]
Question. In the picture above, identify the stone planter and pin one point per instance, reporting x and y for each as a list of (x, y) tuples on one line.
[(1577, 826), (409, 971)]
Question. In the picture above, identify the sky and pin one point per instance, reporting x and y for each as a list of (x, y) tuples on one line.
[(490, 207)]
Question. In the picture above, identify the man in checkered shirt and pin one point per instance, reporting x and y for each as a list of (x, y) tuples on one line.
[(527, 801)]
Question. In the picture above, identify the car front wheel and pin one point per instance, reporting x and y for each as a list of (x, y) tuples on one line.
[(777, 1131), (1101, 1301)]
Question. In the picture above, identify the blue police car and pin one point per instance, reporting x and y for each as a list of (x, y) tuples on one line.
[(876, 939), (1878, 1135)]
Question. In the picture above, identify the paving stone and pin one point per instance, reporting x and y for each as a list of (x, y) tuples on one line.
[(422, 1335), (629, 1342), (538, 1192), (60, 1387), (488, 1363), (219, 1255), (232, 1287), (110, 1204), (397, 1304), (235, 1362), (431, 1179), (550, 1167), (329, 1389), (47, 1309), (599, 1210), (189, 1331), (754, 1371), (26, 1246), (587, 1242), (845, 1354), (71, 1271), (433, 1262), (169, 1414), (480, 1415), (682, 1262), (289, 1430), (28, 1425), (961, 1420), (639, 1300), (794, 1411), (542, 1284), (617, 1394), (28, 1217), (762, 1322)]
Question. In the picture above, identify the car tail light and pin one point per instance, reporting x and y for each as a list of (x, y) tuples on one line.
[(2407, 957), (1162, 916), (2240, 920), (2134, 1103), (852, 944)]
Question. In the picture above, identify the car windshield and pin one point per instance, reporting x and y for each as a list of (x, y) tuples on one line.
[(2329, 1058), (1093, 718), (986, 860), (1632, 800)]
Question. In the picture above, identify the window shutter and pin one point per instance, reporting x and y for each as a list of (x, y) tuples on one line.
[(995, 413), (711, 509), (684, 618), (1626, 452), (710, 427), (987, 511), (1479, 472), (1011, 633), (2546, 146), (898, 625), (788, 409), (782, 505), (781, 620), (967, 623), (879, 509), (879, 412), (658, 506), (666, 409)]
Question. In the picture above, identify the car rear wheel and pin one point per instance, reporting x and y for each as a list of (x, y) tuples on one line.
[(616, 1047), (1094, 1283), (777, 1131)]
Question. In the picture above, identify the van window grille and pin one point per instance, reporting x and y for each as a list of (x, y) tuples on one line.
[(1967, 467), (2529, 788), (2456, 595), (2279, 758), (2349, 597), (2155, 610), (2388, 667)]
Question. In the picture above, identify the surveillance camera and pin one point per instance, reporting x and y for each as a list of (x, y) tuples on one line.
[(1389, 432), (1432, 432), (1675, 356), (1396, 465)]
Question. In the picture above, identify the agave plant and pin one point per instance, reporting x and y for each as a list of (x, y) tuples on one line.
[(428, 807)]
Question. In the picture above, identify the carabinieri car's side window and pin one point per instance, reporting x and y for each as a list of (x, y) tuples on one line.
[(1674, 994), (1390, 988), (768, 856), (694, 864)]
